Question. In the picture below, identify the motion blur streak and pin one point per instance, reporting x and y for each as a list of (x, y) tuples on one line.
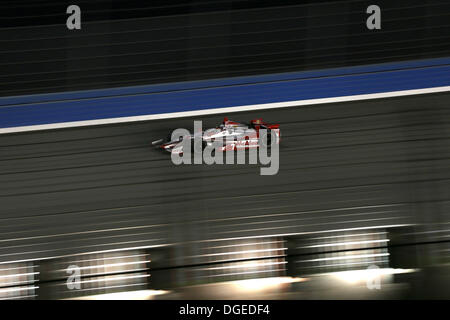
[(264, 284), (355, 276), (360, 183), (129, 295)]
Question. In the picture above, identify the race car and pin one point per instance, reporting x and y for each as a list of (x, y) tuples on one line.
[(229, 135)]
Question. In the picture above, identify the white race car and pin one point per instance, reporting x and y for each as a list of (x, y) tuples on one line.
[(231, 135)]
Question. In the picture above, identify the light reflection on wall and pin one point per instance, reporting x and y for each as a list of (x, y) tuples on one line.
[(237, 268), (238, 260), (338, 251), (96, 274), (18, 280)]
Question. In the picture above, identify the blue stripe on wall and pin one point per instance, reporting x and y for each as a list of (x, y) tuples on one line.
[(199, 95)]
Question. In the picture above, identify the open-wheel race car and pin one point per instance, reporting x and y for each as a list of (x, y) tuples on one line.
[(229, 135)]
